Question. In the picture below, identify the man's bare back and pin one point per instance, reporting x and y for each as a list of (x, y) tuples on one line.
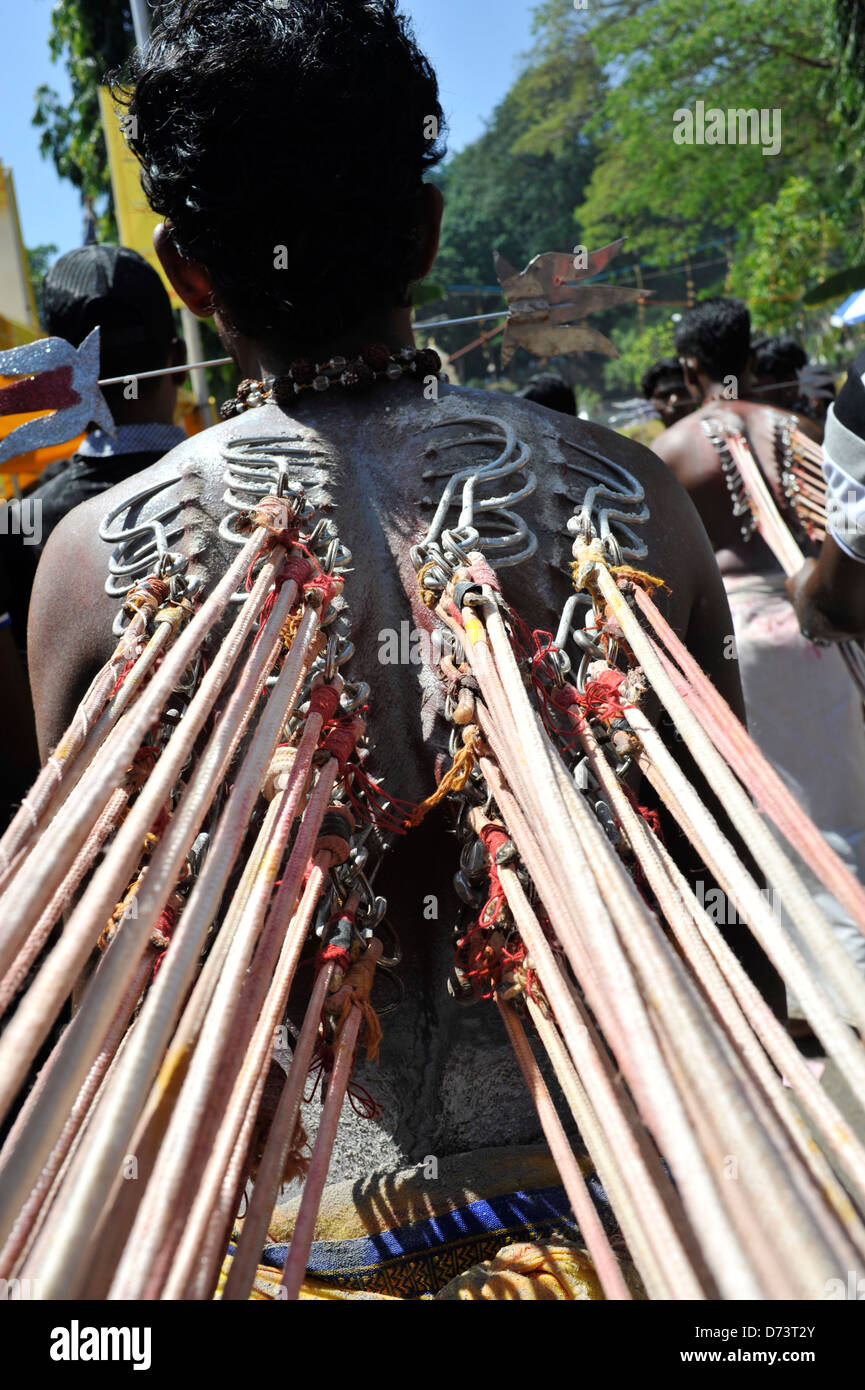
[(447, 1080), (696, 463), (370, 466)]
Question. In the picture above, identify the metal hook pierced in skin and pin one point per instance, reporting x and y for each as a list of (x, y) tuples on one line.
[(478, 514)]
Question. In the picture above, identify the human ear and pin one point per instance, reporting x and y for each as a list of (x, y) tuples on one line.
[(692, 376), (434, 205), (189, 278)]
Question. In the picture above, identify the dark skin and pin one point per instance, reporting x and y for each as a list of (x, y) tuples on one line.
[(828, 595), (375, 450), (698, 606), (694, 460), (672, 401)]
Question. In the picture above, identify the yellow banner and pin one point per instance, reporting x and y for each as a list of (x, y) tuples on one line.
[(135, 218), (16, 292)]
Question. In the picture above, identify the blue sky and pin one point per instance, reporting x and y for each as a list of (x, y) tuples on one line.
[(475, 46)]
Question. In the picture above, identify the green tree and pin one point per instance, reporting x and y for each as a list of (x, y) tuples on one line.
[(39, 259), (638, 349), (792, 243), (660, 56), (91, 38), (847, 28)]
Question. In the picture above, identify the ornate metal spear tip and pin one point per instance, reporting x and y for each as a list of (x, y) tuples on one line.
[(548, 307), (56, 376)]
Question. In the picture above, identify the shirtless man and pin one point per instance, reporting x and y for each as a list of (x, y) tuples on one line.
[(290, 176), (802, 707)]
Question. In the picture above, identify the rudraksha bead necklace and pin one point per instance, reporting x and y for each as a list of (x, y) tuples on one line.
[(375, 363)]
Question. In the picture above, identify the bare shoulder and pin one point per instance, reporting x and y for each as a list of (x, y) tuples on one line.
[(69, 618), (670, 442), (75, 601), (540, 426), (630, 489)]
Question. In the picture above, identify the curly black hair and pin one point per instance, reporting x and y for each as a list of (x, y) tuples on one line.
[(552, 391), (285, 142), (717, 333), (779, 358)]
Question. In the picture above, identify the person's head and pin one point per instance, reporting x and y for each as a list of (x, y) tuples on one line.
[(713, 341), (664, 385), (551, 391), (285, 144), (114, 289), (774, 367)]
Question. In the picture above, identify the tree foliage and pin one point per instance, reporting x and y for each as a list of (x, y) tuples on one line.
[(791, 245), (848, 78), (91, 37), (638, 349), (660, 56)]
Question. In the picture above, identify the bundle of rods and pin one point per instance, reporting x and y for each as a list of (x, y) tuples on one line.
[(660, 1042), (730, 1171), (124, 1168)]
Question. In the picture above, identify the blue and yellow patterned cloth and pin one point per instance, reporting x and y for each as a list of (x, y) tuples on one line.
[(408, 1234)]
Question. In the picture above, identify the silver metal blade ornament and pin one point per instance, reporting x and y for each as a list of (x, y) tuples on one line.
[(548, 306), (53, 375)]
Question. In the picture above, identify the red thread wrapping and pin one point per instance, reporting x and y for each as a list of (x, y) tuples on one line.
[(296, 567), (493, 838), (338, 954), (482, 573), (340, 743), (475, 957), (324, 700), (652, 818), (600, 700), (122, 677), (387, 812), (481, 966)]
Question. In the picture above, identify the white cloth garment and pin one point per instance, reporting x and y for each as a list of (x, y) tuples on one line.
[(806, 717)]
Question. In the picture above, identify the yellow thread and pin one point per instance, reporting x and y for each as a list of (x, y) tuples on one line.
[(456, 776), (289, 628), (429, 597), (649, 582)]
